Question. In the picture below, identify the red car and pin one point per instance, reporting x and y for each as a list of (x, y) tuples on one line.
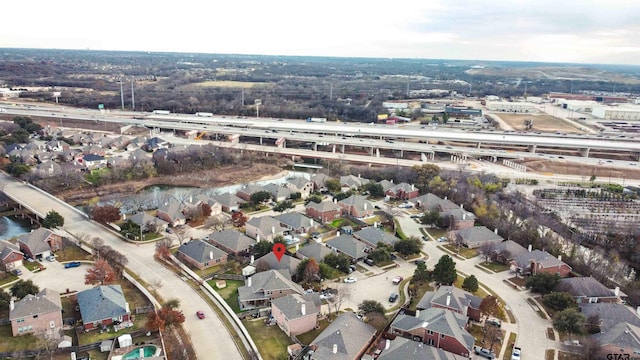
[(200, 314), (397, 280)]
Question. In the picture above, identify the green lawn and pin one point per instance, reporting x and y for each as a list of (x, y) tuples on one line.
[(495, 266), (70, 253), (6, 278), (31, 266), (308, 337), (270, 340), (436, 233), (229, 293), (462, 251), (419, 289), (8, 343), (510, 344), (338, 222)]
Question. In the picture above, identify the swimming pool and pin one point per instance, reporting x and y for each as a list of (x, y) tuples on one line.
[(147, 351)]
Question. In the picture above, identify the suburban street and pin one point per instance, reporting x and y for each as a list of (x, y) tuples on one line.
[(209, 336)]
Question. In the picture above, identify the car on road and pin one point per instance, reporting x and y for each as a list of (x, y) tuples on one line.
[(397, 280), (485, 353), (495, 322), (515, 355), (350, 280), (200, 314), (72, 264), (393, 297), (16, 272)]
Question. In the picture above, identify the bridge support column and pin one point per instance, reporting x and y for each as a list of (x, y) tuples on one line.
[(401, 153), (479, 145), (261, 140), (315, 146), (584, 152), (637, 156), (378, 153), (342, 148), (532, 148), (333, 149), (370, 151)]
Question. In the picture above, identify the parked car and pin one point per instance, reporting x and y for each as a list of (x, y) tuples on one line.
[(16, 272), (420, 261), (200, 314), (485, 353), (495, 322), (72, 264), (350, 280), (393, 257), (51, 258), (443, 239), (369, 262), (515, 355), (393, 297), (352, 268), (397, 280), (325, 296), (425, 238)]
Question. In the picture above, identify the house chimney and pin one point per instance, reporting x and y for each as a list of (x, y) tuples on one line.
[(445, 198), (191, 198), (413, 187), (210, 255), (12, 305), (375, 224), (273, 229), (297, 247), (495, 231), (616, 291), (387, 344), (365, 206), (461, 206), (257, 237), (249, 282), (303, 309), (417, 312), (559, 257), (448, 299), (253, 258), (464, 216), (425, 324), (529, 247), (335, 348), (392, 181), (337, 233), (335, 200), (310, 222)]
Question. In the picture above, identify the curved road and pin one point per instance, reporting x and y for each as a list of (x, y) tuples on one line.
[(209, 336)]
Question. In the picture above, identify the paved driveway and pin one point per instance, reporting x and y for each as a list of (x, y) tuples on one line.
[(56, 277)]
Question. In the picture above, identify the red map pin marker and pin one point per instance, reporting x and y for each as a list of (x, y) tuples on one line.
[(279, 250)]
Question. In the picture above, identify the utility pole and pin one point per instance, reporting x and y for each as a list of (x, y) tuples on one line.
[(133, 99), (121, 95), (330, 92), (242, 96)]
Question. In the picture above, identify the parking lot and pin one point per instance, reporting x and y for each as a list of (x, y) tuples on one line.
[(57, 278)]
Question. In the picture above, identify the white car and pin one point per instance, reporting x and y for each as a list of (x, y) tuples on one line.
[(515, 355), (350, 280)]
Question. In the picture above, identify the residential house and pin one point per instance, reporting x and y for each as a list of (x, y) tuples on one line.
[(453, 299), (201, 254), (349, 246), (319, 181), (92, 161), (300, 185), (246, 192), (430, 202), (356, 206), (295, 222), (47, 169), (313, 250), (286, 265), (39, 314), (25, 156), (119, 163), (401, 348), (10, 256), (402, 191), (229, 202), (346, 338), (279, 193), (148, 222), (457, 218), (103, 305), (154, 143), (610, 314), (537, 261), (93, 150), (44, 156), (264, 228), (386, 184), (265, 286), (216, 207), (140, 158), (477, 237), (119, 143), (436, 327), (39, 243), (324, 211), (505, 251), (372, 236), (296, 314), (590, 290), (351, 182), (172, 214), (56, 145), (232, 241)]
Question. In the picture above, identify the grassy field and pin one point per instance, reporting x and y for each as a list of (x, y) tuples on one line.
[(232, 84), (69, 253), (542, 123), (270, 340), (229, 293), (495, 266), (9, 344), (462, 251)]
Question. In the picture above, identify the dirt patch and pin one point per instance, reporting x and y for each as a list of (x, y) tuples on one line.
[(569, 168), (207, 178), (541, 122)]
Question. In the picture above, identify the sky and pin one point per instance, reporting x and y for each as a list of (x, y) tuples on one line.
[(579, 31)]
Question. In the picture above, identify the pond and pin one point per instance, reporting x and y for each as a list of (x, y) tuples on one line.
[(11, 227)]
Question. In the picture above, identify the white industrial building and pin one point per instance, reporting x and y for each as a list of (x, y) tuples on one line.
[(395, 105), (583, 106), (515, 107), (627, 113)]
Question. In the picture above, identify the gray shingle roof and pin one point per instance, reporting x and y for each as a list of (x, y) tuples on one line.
[(36, 240), (278, 191), (373, 236), (458, 299), (270, 261), (228, 200), (173, 210), (478, 234), (102, 302), (348, 333), (610, 314), (271, 280), (440, 321), (401, 348), (291, 306), (266, 225), (319, 179), (349, 245), (358, 202), (314, 250), (232, 239), (44, 302), (201, 251), (142, 219), (584, 286), (352, 181), (7, 248), (510, 246), (622, 335), (542, 257), (323, 206), (295, 220)]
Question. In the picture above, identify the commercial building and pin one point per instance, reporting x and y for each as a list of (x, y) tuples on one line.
[(515, 107), (627, 113)]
